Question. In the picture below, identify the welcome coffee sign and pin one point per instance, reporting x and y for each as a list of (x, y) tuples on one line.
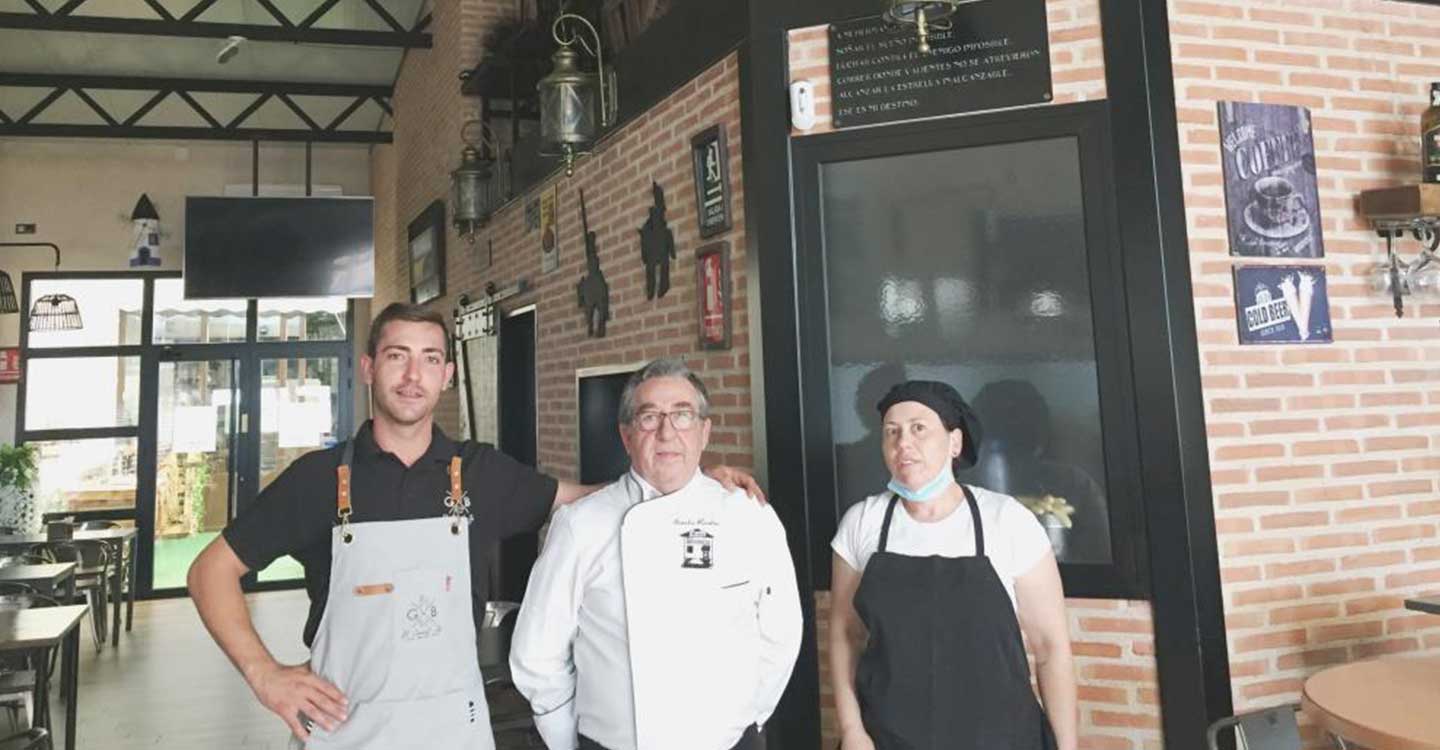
[(1272, 203)]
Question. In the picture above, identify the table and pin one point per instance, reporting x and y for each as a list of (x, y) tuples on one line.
[(117, 539), (47, 578), (1378, 703), (1428, 605), (45, 628)]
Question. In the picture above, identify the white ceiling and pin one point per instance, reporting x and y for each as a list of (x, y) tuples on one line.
[(75, 53)]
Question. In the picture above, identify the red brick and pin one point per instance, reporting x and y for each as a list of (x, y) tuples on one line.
[(1383, 558), (1267, 594), (1287, 570), (1331, 541), (1267, 641), (1347, 631), (1294, 520)]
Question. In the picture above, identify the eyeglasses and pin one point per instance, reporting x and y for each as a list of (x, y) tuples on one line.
[(680, 419)]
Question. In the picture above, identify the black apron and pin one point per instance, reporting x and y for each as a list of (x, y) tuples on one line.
[(945, 664)]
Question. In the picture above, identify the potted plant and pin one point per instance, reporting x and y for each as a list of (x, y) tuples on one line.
[(1054, 514), (17, 480)]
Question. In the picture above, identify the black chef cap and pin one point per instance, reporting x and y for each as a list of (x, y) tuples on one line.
[(946, 402)]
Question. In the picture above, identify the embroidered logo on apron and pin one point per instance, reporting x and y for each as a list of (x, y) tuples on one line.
[(699, 549), (422, 620)]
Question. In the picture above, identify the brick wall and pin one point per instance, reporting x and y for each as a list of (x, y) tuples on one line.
[(617, 185), (1114, 647), (1323, 457)]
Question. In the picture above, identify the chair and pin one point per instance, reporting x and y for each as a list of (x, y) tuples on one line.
[(30, 739), (121, 569), (1271, 728), (18, 679), (509, 712), (92, 577)]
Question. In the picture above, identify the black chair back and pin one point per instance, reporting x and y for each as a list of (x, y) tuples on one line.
[(1271, 728)]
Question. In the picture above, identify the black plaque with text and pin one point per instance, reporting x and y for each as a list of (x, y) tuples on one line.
[(994, 55)]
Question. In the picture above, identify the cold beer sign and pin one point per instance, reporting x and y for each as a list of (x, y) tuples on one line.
[(1282, 305)]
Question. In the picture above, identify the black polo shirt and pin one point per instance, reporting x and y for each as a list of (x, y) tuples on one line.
[(294, 515)]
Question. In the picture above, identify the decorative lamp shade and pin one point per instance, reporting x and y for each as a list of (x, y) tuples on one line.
[(471, 185), (567, 107), (8, 303), (55, 312)]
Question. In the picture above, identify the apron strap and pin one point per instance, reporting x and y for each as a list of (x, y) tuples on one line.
[(456, 488), (342, 489), (975, 517), (885, 527)]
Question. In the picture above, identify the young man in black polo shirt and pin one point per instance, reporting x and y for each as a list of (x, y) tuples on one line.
[(406, 483)]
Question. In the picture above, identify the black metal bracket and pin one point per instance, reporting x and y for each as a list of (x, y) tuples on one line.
[(50, 245), (133, 125), (188, 24)]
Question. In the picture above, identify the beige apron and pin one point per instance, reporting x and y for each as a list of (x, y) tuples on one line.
[(398, 633)]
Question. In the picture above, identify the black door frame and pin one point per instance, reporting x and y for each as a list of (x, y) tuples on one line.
[(1088, 124), (248, 353)]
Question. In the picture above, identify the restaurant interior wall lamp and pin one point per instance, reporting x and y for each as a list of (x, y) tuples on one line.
[(568, 95), (924, 15), (474, 191), (51, 312), (1412, 210)]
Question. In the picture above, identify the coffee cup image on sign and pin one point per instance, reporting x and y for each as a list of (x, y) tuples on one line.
[(1277, 210)]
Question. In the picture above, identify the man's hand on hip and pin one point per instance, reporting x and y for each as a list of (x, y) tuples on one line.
[(292, 692)]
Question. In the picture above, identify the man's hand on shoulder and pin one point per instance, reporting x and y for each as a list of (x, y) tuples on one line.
[(732, 478)]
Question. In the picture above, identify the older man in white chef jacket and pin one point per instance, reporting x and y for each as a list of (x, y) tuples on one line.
[(663, 612)]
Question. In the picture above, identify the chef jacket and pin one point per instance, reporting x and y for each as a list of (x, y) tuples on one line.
[(656, 622)]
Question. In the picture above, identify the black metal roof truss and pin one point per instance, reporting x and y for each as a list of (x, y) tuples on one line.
[(333, 130), (188, 24)]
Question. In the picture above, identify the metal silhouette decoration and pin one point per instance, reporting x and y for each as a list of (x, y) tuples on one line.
[(657, 246), (592, 291)]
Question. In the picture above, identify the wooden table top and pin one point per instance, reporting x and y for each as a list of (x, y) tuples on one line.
[(47, 572), (1379, 703), (35, 628)]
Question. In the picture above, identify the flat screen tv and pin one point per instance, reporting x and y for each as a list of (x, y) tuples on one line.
[(602, 454), (279, 247)]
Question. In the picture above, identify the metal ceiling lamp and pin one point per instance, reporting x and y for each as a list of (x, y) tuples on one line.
[(8, 304), (924, 15), (473, 191), (568, 95), (52, 312)]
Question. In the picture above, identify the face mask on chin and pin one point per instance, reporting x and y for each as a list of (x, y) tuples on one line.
[(929, 491)]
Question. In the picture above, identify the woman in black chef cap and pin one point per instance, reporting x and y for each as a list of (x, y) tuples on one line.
[(933, 583)]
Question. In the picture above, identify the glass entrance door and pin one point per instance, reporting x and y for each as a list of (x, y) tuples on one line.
[(198, 445), (299, 412)]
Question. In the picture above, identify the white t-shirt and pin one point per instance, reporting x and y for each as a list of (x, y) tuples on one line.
[(1014, 539)]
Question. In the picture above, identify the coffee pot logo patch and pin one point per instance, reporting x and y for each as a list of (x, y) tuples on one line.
[(699, 549)]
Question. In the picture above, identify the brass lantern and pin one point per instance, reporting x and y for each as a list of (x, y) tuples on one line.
[(473, 195), (568, 96), (924, 15)]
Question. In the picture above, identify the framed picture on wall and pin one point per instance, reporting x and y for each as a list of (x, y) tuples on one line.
[(712, 180), (1272, 196), (712, 285), (427, 254)]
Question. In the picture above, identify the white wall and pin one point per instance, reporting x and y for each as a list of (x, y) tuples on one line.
[(79, 193)]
